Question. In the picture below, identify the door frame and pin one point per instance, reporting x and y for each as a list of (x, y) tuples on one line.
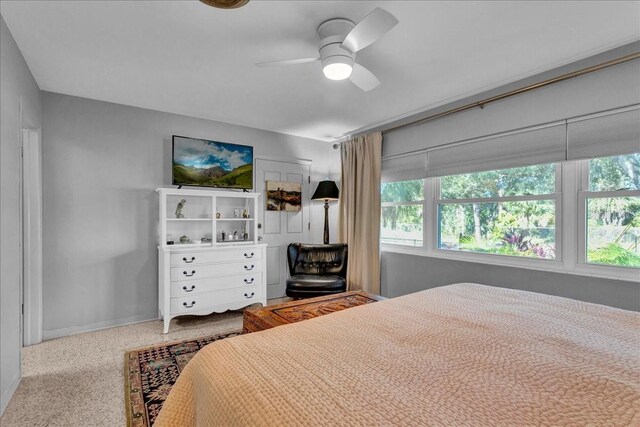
[(295, 161), (31, 227)]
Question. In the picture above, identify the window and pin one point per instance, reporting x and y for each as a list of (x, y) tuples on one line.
[(506, 212), (611, 211), (559, 197), (402, 212)]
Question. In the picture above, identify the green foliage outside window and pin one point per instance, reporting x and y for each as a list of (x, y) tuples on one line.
[(517, 228), (402, 191), (522, 227), (402, 223), (528, 180), (615, 173), (613, 223)]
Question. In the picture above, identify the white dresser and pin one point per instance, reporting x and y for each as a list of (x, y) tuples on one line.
[(205, 272), (206, 280)]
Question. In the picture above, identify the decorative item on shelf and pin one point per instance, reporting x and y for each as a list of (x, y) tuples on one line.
[(222, 236), (327, 191), (245, 235), (235, 235), (284, 196), (245, 213), (170, 239), (218, 215), (236, 213), (205, 239), (179, 208), (184, 239)]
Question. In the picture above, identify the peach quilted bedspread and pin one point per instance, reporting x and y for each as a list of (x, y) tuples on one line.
[(458, 355)]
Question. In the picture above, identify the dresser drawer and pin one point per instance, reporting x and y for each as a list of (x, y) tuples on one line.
[(185, 288), (230, 255), (200, 302), (193, 272)]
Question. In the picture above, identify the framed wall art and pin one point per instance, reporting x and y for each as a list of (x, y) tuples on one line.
[(284, 196)]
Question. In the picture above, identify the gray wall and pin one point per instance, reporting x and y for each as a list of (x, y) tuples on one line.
[(613, 87), (16, 82), (403, 274), (101, 165)]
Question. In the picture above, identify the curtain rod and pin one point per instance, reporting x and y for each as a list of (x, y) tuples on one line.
[(528, 88), (514, 92)]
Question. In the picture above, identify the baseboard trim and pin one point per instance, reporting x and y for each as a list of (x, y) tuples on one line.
[(49, 334), (8, 393)]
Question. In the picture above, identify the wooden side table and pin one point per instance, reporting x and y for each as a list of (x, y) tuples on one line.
[(259, 319)]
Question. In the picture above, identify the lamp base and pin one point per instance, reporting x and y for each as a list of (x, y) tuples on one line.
[(326, 222)]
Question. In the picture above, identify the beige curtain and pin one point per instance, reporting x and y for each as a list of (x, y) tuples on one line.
[(359, 225)]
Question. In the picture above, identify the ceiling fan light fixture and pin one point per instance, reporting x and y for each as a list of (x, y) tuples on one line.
[(337, 68), (337, 71)]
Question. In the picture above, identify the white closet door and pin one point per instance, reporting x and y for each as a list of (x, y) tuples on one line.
[(279, 228)]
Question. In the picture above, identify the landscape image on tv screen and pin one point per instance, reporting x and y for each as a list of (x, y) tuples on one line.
[(207, 163)]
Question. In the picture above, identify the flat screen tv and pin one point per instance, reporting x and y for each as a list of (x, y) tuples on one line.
[(205, 163)]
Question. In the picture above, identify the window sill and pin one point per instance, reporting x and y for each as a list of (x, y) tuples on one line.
[(554, 266)]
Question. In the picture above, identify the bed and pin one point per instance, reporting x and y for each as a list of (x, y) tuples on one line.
[(464, 354)]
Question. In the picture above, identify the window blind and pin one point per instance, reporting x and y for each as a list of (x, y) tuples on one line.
[(545, 144), (404, 167), (607, 134)]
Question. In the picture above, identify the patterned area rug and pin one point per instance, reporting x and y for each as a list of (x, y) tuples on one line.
[(151, 372)]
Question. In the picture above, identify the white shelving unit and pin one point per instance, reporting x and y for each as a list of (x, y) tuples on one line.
[(208, 264), (200, 220)]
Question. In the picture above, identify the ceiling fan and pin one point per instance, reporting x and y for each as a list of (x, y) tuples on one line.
[(340, 40)]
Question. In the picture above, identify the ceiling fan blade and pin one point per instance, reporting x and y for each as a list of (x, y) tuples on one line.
[(363, 78), (371, 28), (286, 62)]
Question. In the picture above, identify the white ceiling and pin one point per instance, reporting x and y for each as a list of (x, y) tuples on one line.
[(187, 58)]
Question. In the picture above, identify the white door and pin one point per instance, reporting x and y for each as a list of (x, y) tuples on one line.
[(279, 228)]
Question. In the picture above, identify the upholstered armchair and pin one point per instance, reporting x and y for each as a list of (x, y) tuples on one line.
[(316, 270)]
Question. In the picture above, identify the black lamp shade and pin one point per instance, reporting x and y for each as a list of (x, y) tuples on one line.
[(327, 190)]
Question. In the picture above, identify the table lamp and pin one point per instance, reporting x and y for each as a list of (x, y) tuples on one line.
[(327, 191)]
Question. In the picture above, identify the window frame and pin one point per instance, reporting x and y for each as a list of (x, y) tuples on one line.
[(570, 231), (584, 194), (556, 197), (407, 203)]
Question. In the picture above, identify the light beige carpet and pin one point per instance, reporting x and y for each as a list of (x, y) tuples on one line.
[(78, 380)]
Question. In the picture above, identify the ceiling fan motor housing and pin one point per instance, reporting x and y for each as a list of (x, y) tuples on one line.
[(332, 33)]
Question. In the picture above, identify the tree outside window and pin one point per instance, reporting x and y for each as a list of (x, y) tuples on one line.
[(613, 211), (402, 213), (506, 212)]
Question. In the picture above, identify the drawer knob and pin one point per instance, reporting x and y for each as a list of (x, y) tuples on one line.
[(189, 290), (248, 295), (192, 304), (249, 281), (249, 255), (249, 268), (189, 275), (189, 261)]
